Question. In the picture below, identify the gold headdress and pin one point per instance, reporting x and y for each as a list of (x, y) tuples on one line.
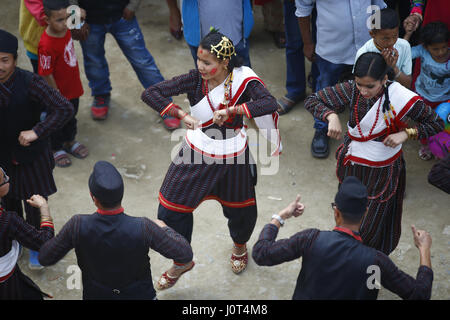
[(224, 49)]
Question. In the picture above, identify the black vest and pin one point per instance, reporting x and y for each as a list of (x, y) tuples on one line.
[(103, 11), (113, 258), (20, 114), (335, 267)]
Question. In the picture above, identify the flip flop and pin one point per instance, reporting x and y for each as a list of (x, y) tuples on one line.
[(62, 155), (75, 150)]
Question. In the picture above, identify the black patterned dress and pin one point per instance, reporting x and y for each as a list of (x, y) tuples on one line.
[(16, 285), (381, 227), (34, 177), (186, 185)]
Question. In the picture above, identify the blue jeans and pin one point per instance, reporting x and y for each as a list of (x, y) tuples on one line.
[(329, 74), (295, 60), (242, 50), (131, 41)]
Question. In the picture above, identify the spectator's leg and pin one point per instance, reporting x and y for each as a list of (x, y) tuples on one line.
[(295, 60), (95, 64), (194, 53), (131, 40), (329, 74), (243, 50)]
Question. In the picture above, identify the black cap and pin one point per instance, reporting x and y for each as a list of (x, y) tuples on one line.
[(56, 4), (8, 42), (105, 183), (351, 197)]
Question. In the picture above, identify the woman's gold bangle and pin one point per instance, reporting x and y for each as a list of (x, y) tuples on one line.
[(412, 133)]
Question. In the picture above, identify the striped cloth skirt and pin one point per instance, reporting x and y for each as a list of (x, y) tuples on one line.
[(33, 178), (193, 178), (381, 227)]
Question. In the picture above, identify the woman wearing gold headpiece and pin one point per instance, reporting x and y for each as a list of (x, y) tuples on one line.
[(214, 161)]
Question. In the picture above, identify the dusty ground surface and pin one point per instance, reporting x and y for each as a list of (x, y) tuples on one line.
[(134, 140)]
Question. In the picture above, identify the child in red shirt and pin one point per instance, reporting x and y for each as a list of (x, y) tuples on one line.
[(59, 66)]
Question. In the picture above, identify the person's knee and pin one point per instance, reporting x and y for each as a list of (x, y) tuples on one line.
[(181, 222)]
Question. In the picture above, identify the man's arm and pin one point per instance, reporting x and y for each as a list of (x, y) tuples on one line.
[(403, 284), (56, 248), (167, 241), (59, 109), (303, 12), (268, 252)]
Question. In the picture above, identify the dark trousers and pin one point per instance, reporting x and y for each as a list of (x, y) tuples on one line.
[(66, 133), (33, 215), (241, 222), (34, 64)]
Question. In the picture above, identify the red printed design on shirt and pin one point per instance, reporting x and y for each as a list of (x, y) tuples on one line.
[(45, 62), (57, 57)]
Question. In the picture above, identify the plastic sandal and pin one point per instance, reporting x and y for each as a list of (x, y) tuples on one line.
[(62, 155), (74, 150)]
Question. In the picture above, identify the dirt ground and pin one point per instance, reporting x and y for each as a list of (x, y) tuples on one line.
[(134, 140)]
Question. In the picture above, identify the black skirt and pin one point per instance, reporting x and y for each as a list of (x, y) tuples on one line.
[(20, 287)]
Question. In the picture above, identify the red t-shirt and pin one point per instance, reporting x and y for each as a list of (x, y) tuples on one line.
[(57, 57)]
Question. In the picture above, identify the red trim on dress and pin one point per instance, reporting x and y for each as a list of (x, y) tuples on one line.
[(242, 88), (173, 206), (167, 108), (4, 278), (110, 212), (185, 209), (372, 163)]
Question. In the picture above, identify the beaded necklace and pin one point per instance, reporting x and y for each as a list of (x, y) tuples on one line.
[(227, 95), (355, 109)]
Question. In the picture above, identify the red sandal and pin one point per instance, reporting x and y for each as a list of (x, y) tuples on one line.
[(166, 281), (239, 262)]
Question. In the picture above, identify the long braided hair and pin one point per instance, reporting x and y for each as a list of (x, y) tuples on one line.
[(373, 65)]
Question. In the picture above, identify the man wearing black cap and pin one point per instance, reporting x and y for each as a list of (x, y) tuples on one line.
[(336, 264), (111, 246), (24, 148)]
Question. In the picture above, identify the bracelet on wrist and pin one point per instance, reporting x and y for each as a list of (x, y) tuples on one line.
[(412, 133), (280, 220)]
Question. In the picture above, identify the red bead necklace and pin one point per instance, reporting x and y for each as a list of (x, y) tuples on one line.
[(355, 110), (227, 95)]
